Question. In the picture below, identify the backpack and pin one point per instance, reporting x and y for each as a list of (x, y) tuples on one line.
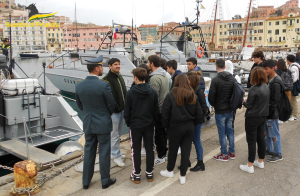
[(284, 106), (237, 97), (287, 80)]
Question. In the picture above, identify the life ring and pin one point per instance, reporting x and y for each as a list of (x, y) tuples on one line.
[(202, 52)]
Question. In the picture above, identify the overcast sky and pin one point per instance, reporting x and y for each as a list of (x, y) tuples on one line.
[(102, 12)]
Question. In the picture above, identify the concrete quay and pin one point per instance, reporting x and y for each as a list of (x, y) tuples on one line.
[(219, 178)]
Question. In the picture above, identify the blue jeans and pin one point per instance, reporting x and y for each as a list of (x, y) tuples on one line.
[(197, 142), (224, 124), (117, 124), (272, 131)]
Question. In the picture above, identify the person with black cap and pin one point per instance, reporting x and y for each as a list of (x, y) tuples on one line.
[(95, 99), (5, 46)]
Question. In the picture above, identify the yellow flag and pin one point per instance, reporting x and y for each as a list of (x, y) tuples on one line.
[(202, 7)]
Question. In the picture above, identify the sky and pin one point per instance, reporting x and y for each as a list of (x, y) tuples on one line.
[(102, 12)]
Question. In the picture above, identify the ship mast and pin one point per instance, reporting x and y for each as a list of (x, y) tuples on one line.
[(76, 28), (212, 43), (245, 36)]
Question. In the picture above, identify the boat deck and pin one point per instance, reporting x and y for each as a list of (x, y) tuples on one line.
[(18, 149)]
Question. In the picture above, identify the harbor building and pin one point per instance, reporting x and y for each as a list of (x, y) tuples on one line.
[(55, 39), (146, 30), (91, 37), (27, 38), (283, 31)]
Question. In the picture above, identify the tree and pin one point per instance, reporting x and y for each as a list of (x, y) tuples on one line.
[(236, 17), (279, 12)]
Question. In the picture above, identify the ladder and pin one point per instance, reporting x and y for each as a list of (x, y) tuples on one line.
[(26, 105)]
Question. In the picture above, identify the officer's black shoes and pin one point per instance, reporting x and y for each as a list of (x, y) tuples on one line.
[(135, 178), (110, 182), (86, 186)]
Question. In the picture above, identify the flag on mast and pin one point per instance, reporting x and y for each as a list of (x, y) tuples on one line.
[(202, 7), (114, 31)]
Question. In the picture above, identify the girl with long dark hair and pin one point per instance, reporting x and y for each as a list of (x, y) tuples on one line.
[(180, 113)]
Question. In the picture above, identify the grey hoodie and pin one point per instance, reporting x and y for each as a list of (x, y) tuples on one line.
[(160, 82)]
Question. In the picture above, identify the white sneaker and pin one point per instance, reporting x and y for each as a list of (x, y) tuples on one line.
[(119, 161), (123, 156), (293, 118), (179, 151), (143, 152), (158, 161), (280, 122), (258, 164), (166, 173), (182, 179), (247, 169)]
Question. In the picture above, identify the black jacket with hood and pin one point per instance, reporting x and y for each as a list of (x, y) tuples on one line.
[(275, 86), (220, 92), (173, 115), (141, 106), (201, 97)]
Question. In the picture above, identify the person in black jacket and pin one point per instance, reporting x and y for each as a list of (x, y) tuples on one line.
[(281, 68), (143, 65), (172, 70), (258, 59), (140, 113), (181, 111), (273, 140), (194, 78), (257, 106), (219, 97)]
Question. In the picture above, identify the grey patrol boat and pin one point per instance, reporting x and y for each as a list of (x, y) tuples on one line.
[(27, 112)]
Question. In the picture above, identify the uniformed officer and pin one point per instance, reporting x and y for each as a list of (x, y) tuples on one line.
[(5, 46), (95, 98)]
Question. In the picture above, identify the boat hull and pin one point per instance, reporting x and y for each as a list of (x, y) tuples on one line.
[(29, 55)]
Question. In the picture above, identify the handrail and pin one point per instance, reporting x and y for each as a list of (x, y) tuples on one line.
[(21, 69), (58, 58)]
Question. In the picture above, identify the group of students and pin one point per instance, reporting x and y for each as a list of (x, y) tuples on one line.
[(161, 108), (165, 109), (270, 80)]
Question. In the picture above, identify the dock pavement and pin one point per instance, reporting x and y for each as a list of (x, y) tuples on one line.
[(219, 178)]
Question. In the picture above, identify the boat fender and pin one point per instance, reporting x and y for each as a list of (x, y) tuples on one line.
[(202, 52)]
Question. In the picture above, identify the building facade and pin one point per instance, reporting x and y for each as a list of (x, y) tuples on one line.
[(148, 30), (283, 31), (90, 38), (55, 38), (28, 39)]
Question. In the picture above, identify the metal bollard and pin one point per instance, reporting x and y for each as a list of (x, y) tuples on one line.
[(25, 173)]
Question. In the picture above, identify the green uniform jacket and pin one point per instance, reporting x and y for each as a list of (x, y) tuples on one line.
[(94, 98), (118, 89)]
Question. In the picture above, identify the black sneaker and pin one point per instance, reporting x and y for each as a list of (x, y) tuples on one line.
[(149, 176), (269, 154), (275, 158), (136, 178)]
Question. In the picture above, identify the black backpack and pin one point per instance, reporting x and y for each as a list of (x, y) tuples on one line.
[(284, 106), (237, 97), (287, 80)]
